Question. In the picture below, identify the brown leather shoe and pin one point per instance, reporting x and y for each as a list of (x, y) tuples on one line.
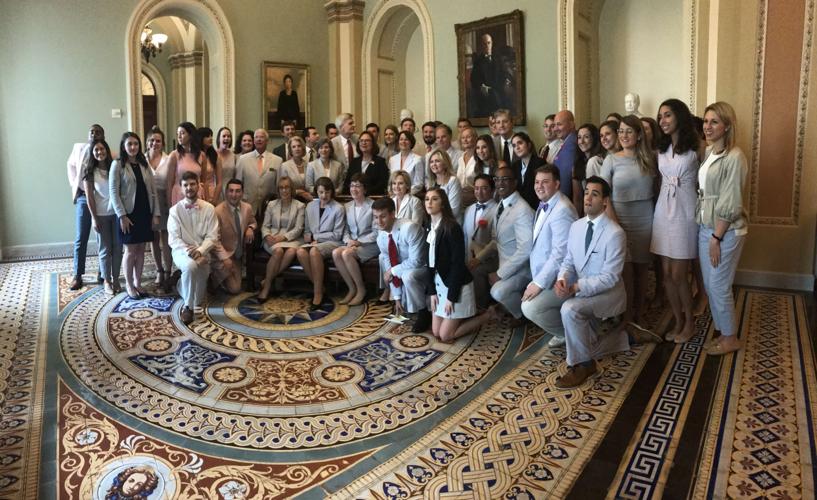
[(575, 376), (76, 283), (186, 315)]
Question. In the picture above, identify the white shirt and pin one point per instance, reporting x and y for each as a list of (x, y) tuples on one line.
[(192, 226)]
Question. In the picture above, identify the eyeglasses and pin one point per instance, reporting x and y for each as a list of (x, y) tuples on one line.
[(503, 179)]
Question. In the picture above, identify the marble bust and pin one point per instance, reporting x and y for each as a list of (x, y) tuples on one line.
[(631, 103)]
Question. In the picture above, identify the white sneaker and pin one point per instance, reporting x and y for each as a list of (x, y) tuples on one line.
[(556, 342)]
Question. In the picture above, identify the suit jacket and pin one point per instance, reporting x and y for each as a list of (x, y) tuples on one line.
[(410, 240), (377, 176), (498, 148), (315, 170), (512, 237), (410, 208), (122, 186), (550, 230), (229, 239), (258, 187), (449, 261), (361, 228), (598, 269), (525, 185), (273, 220), (564, 161), (281, 150), (477, 237), (414, 166), (340, 151), (330, 226)]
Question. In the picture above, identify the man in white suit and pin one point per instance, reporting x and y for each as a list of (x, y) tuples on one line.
[(345, 143), (591, 284), (403, 256), (477, 225), (192, 228), (512, 237), (551, 225), (258, 170)]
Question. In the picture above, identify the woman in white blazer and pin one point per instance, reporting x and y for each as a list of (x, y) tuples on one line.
[(360, 238), (324, 166), (323, 232), (133, 198), (409, 162), (281, 233), (406, 205)]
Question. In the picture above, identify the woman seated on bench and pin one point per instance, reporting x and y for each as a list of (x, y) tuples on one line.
[(360, 237), (325, 221), (281, 232)]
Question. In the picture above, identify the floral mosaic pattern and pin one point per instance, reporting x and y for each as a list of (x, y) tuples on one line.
[(185, 367), (100, 458), (283, 381), (383, 363), (126, 333)]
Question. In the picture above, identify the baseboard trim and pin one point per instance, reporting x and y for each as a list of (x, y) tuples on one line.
[(62, 249), (768, 279)]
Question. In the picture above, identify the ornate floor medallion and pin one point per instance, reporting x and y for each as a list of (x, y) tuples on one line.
[(270, 375)]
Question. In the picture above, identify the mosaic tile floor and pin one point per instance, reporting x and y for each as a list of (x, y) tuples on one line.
[(106, 397)]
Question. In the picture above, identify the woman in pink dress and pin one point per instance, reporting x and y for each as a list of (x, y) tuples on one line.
[(186, 157), (675, 232)]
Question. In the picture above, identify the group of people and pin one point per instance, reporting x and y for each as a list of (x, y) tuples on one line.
[(464, 231)]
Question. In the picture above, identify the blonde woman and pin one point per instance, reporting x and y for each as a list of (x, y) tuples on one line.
[(441, 174), (295, 168), (631, 174), (722, 220), (281, 233), (406, 206)]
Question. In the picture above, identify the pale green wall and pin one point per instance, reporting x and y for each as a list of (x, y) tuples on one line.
[(635, 60), (415, 75), (55, 83), (541, 78)]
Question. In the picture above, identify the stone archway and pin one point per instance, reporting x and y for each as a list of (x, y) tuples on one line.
[(161, 94), (389, 31), (208, 16)]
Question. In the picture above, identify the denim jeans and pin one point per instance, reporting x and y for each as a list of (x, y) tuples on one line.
[(83, 231), (718, 280)]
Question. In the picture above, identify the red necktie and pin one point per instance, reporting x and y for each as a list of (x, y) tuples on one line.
[(350, 153), (393, 259)]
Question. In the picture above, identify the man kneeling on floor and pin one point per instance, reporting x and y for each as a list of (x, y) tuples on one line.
[(192, 233), (591, 284), (403, 256)]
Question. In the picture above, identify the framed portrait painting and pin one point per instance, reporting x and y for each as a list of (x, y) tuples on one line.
[(285, 91), (491, 63)]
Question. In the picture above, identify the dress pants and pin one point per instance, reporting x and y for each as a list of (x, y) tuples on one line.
[(545, 311), (413, 291), (82, 223), (508, 292), (718, 280), (110, 250), (193, 283), (581, 317)]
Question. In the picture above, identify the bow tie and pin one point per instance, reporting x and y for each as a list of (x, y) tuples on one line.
[(481, 206), (543, 206), (191, 206)]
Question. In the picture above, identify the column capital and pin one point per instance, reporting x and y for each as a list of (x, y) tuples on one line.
[(344, 10), (186, 59)]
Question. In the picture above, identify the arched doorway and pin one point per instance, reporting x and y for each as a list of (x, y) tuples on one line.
[(160, 93), (398, 49), (208, 16)]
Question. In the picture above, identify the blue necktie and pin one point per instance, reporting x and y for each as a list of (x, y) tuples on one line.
[(588, 236)]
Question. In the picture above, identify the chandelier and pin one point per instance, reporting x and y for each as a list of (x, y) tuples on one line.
[(151, 43)]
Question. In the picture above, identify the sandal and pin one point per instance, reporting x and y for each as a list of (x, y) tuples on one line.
[(719, 350)]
